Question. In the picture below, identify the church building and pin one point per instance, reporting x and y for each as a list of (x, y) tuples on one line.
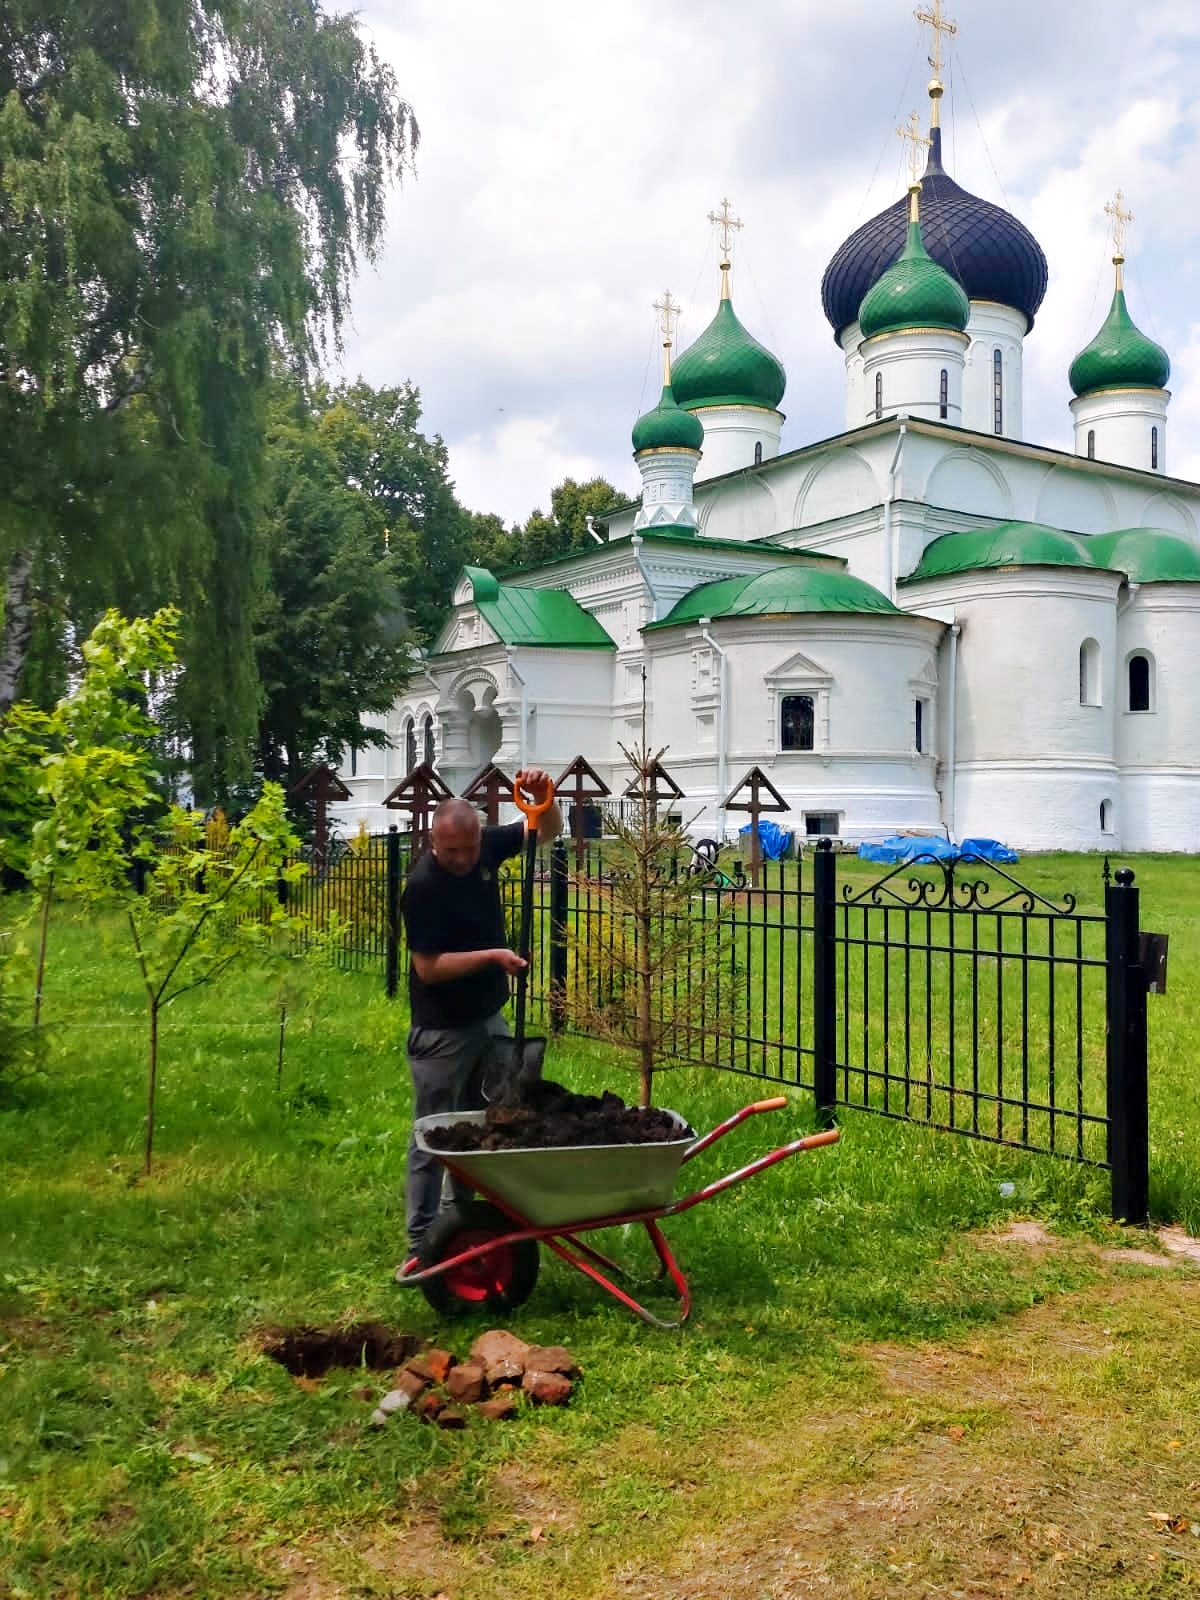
[(924, 624)]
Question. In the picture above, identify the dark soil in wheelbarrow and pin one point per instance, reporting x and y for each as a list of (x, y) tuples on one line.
[(548, 1116)]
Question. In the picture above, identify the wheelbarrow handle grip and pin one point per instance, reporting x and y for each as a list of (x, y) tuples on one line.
[(534, 810)]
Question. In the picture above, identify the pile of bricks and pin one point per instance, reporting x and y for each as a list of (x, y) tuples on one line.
[(436, 1387)]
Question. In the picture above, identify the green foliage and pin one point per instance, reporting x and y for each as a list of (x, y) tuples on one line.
[(185, 189), (72, 780), (330, 636), (565, 531)]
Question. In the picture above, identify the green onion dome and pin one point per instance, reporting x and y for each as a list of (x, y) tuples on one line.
[(727, 366), (1120, 356), (914, 293), (667, 427)]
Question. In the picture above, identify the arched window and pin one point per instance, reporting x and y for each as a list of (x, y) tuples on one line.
[(758, 453), (796, 722), (1089, 673), (430, 748), (997, 391), (1091, 444), (1141, 683), (919, 725), (1106, 816), (1154, 449), (944, 394), (410, 745), (878, 395)]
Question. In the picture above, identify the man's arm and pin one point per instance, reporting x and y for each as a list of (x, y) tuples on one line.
[(448, 964)]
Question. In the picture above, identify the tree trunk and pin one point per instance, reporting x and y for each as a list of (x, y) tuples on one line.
[(18, 624), (47, 893), (153, 1084)]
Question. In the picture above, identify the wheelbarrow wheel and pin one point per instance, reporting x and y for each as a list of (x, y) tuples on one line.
[(498, 1281)]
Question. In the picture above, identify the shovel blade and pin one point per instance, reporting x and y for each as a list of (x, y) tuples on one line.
[(517, 1067)]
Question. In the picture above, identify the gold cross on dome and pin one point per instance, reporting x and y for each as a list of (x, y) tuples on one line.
[(668, 314), (917, 142), (940, 25), (728, 224), (1120, 219)]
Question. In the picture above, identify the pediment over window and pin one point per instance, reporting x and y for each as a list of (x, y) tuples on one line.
[(799, 668)]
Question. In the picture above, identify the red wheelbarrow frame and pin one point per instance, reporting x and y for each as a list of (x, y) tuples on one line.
[(589, 1260)]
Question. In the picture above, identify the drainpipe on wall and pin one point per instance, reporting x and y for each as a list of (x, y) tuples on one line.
[(889, 550), (951, 732), (722, 775), (636, 546), (510, 651)]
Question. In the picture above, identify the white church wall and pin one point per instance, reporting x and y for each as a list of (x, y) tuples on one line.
[(736, 437), (1168, 511), (851, 344), (1069, 499), (993, 328), (961, 476), (839, 482), (903, 373), (1031, 762), (1127, 426), (863, 675), (1158, 751), (742, 508)]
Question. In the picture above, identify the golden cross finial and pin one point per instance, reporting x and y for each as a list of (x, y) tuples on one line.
[(1120, 218), (933, 16), (726, 221), (917, 142), (668, 314)]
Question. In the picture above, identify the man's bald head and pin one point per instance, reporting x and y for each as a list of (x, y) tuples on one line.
[(455, 835)]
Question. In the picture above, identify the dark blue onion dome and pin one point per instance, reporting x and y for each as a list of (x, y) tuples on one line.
[(992, 255)]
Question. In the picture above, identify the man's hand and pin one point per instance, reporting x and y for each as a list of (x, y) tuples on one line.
[(509, 962)]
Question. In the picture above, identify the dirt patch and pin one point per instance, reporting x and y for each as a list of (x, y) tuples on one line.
[(1178, 1243), (311, 1352), (549, 1116)]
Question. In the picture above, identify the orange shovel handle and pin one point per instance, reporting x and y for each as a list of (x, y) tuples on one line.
[(534, 810)]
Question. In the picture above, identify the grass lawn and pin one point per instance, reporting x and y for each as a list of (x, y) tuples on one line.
[(879, 1392)]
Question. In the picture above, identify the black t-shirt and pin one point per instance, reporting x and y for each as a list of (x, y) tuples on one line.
[(443, 913)]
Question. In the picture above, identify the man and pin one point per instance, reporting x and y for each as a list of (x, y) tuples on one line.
[(459, 966)]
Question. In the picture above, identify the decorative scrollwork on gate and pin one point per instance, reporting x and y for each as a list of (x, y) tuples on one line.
[(950, 893)]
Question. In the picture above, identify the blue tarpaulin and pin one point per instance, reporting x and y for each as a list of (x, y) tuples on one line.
[(902, 847), (773, 841)]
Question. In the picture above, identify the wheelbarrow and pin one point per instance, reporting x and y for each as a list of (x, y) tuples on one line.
[(483, 1254)]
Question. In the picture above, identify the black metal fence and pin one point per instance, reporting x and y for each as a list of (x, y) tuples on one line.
[(948, 994)]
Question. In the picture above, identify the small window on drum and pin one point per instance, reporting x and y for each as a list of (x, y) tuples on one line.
[(878, 395), (1091, 444), (919, 726), (944, 394), (1140, 683), (1154, 449), (796, 722), (758, 453), (997, 391)]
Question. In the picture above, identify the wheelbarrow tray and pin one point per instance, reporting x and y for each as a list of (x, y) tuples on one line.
[(565, 1184)]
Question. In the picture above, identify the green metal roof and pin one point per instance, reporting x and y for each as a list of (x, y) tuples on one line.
[(1148, 555), (914, 292), (1120, 356), (1012, 544), (727, 366), (548, 617), (780, 591), (667, 427)]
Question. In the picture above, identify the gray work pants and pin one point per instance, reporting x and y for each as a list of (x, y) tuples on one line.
[(453, 1069)]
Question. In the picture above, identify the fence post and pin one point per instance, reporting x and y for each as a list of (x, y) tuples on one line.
[(558, 935), (824, 983), (1128, 1088), (393, 911)]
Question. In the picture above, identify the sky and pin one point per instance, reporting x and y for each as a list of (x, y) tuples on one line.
[(571, 151)]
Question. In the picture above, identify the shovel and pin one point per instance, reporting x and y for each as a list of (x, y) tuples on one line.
[(523, 1057)]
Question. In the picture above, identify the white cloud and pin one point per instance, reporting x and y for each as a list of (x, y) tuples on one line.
[(570, 155)]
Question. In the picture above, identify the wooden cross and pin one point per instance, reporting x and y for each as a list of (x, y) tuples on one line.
[(940, 26), (419, 794), (655, 784), (488, 789), (917, 142), (320, 785), (585, 784), (755, 781), (729, 225)]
